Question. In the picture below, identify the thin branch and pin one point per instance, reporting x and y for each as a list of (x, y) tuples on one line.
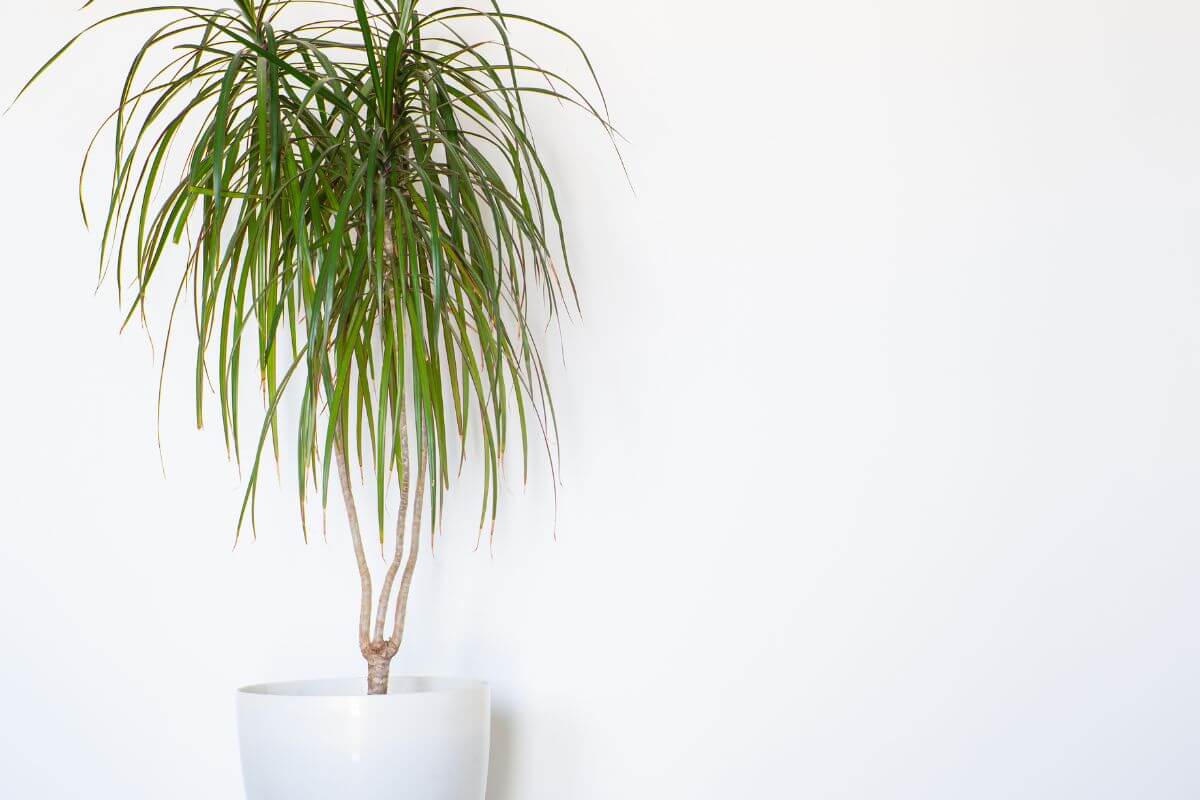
[(385, 594), (413, 552), (364, 572)]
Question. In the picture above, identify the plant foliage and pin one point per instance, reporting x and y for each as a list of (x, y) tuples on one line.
[(365, 218)]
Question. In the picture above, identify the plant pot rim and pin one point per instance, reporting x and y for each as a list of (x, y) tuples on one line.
[(402, 686)]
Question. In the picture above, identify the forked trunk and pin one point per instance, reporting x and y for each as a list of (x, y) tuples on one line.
[(377, 650)]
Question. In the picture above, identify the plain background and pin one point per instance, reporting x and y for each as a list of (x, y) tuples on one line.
[(881, 433)]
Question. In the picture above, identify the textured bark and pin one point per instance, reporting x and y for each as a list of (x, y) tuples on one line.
[(389, 580), (360, 554), (379, 670), (413, 552), (377, 650)]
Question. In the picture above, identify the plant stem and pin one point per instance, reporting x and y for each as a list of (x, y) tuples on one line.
[(364, 572), (406, 585), (389, 579), (379, 669), (413, 552), (377, 650)]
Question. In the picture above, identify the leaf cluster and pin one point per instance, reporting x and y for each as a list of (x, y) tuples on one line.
[(367, 222)]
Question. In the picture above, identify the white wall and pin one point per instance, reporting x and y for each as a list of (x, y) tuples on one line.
[(882, 434)]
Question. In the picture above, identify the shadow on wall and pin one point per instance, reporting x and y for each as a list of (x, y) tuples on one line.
[(514, 763), (501, 774)]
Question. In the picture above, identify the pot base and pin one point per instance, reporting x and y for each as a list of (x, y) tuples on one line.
[(427, 739)]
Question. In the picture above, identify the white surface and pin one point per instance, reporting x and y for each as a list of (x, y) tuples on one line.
[(313, 740), (882, 435)]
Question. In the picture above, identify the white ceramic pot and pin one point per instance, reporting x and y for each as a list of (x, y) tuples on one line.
[(428, 739)]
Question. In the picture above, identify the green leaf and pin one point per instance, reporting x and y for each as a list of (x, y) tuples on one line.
[(363, 215)]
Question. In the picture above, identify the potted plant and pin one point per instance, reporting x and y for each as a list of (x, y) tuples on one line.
[(362, 216)]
